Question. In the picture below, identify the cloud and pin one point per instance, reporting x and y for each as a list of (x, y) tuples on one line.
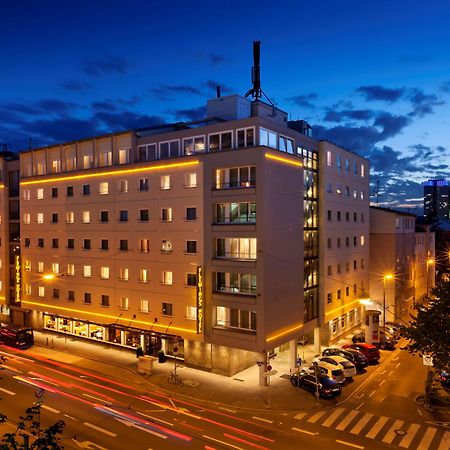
[(381, 93), (445, 86), (76, 86), (189, 114), (125, 120), (212, 85), (166, 92), (43, 106), (423, 103), (354, 114), (216, 59), (105, 65), (304, 101)]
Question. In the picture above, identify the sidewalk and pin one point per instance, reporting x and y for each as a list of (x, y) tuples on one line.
[(240, 391)]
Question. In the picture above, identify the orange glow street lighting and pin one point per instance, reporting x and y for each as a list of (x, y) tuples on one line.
[(387, 276), (430, 262)]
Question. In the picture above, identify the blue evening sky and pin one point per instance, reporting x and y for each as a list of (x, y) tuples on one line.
[(373, 76)]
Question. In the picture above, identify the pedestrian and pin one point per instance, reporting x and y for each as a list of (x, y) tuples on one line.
[(139, 352)]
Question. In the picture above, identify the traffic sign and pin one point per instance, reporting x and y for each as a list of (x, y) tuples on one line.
[(39, 393), (270, 373), (427, 360), (269, 368)]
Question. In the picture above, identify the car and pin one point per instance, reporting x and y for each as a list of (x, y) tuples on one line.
[(385, 343), (444, 378), (347, 367), (328, 369), (369, 351), (325, 385), (357, 358)]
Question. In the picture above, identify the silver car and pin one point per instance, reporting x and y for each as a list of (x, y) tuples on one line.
[(347, 366)]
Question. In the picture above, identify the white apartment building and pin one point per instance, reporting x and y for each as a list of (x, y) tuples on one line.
[(203, 236)]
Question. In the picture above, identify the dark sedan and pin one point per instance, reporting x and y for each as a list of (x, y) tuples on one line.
[(354, 356), (325, 385)]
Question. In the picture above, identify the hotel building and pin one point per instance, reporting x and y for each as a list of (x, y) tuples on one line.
[(206, 239)]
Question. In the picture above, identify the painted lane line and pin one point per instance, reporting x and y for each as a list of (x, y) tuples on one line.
[(419, 411), (262, 420), (445, 441), (409, 436), (134, 425), (304, 431), (397, 365), (251, 444), (343, 425), (233, 411), (222, 442), (102, 430), (427, 438), (299, 416), (7, 392), (390, 373), (360, 395), (100, 400), (390, 435), (154, 418), (359, 406), (370, 395), (70, 417), (316, 417), (333, 417), (48, 408), (377, 427), (382, 382), (350, 444), (361, 424)]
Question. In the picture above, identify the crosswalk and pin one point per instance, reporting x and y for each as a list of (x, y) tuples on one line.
[(391, 431)]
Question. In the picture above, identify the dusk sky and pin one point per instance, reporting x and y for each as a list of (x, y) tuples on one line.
[(372, 76)]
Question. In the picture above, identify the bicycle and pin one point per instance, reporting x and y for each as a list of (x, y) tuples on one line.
[(174, 378)]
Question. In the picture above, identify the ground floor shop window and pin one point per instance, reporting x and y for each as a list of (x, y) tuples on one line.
[(96, 332), (80, 328)]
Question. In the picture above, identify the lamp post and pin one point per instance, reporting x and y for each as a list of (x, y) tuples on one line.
[(430, 262), (387, 276)]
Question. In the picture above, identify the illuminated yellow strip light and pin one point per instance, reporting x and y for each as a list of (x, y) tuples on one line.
[(2, 186), (272, 338), (106, 316), (342, 307), (283, 160), (112, 172)]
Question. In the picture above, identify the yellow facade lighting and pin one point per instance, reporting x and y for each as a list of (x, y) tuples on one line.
[(343, 306), (283, 160), (107, 316), (290, 330), (111, 173)]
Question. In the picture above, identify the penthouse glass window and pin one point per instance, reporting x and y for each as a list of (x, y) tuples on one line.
[(286, 144), (221, 141), (235, 177), (147, 153), (236, 283), (194, 145), (246, 137), (236, 248), (105, 159), (169, 149), (124, 156), (267, 138), (243, 212)]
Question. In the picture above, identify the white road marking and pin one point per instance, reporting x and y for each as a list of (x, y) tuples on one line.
[(141, 428), (304, 431), (382, 382), (262, 420), (390, 373), (361, 424), (316, 417), (350, 444), (228, 409), (48, 408), (7, 392), (445, 441), (409, 436), (377, 427), (351, 415), (397, 365), (70, 417), (390, 435), (427, 438), (154, 418), (419, 411), (359, 406), (370, 395), (332, 418), (101, 400), (299, 416), (102, 430), (222, 442), (360, 395)]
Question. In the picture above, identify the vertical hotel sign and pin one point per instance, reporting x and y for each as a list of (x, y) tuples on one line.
[(200, 299), (18, 278)]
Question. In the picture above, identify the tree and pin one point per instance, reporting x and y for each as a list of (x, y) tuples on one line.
[(429, 329)]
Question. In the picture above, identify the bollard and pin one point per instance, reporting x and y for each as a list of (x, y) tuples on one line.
[(47, 341)]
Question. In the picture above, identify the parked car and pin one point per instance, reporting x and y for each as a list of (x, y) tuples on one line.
[(357, 358), (326, 386), (328, 369), (347, 367), (444, 378), (369, 351), (385, 343)]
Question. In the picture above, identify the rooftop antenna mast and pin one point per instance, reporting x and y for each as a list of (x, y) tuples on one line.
[(256, 92)]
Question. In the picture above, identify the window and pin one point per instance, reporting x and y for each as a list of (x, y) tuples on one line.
[(235, 318), (338, 162), (347, 267), (338, 242), (362, 240), (147, 153), (355, 264), (104, 216), (166, 215), (329, 245), (70, 271), (329, 297), (26, 194), (191, 180), (124, 156), (41, 242), (87, 161), (105, 300), (191, 213), (123, 245), (123, 303), (144, 245), (40, 193), (347, 241), (194, 145), (267, 138), (145, 306), (54, 218), (87, 271), (71, 295), (191, 279), (236, 248), (41, 291), (123, 274), (104, 244), (329, 163), (338, 218), (123, 216), (362, 170), (355, 167), (69, 191), (362, 195), (246, 137), (143, 184), (329, 215), (55, 293), (236, 283), (54, 192), (87, 297), (347, 291), (167, 309), (220, 141), (86, 217), (286, 144), (236, 177), (70, 217), (28, 266), (55, 243), (144, 276), (27, 242), (105, 158), (143, 215), (166, 247), (86, 244), (40, 217), (169, 149), (26, 218), (104, 273), (338, 268), (355, 193), (191, 312), (347, 216), (167, 278), (70, 243), (329, 188), (243, 212), (122, 186), (355, 243), (355, 217), (103, 188), (165, 182), (40, 267), (191, 246), (338, 294), (347, 165), (86, 189)]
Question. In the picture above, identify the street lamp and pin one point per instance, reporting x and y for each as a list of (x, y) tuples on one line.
[(387, 276), (430, 262)]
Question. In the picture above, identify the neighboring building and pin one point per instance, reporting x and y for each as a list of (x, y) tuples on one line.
[(436, 198), (424, 262), (204, 236)]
